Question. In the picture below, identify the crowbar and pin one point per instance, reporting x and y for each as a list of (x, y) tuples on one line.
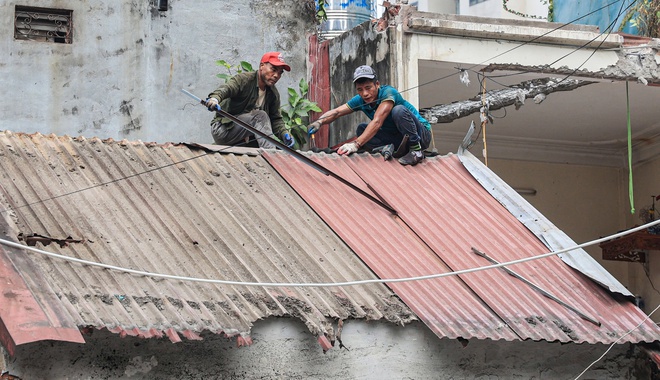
[(298, 155), (537, 288)]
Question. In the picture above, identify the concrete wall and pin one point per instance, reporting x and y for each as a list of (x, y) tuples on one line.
[(122, 75), (283, 349)]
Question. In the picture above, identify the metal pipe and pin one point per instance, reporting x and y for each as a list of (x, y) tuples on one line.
[(537, 288)]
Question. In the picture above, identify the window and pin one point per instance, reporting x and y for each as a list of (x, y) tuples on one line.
[(43, 24), (475, 2)]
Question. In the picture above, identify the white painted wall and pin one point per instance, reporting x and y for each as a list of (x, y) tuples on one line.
[(495, 8), (122, 75), (284, 349), (437, 6)]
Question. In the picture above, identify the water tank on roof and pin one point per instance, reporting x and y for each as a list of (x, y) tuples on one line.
[(344, 15)]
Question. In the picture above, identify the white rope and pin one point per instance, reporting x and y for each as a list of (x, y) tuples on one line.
[(320, 285)]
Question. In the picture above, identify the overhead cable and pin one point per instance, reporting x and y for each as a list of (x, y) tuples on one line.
[(322, 285)]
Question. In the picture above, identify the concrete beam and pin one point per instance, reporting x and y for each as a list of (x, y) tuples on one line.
[(506, 29)]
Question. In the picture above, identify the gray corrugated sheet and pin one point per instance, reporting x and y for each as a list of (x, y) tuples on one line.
[(176, 210)]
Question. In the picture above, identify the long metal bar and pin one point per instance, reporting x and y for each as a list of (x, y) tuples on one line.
[(298, 155), (537, 288)]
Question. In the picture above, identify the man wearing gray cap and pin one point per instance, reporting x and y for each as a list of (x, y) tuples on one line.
[(392, 118)]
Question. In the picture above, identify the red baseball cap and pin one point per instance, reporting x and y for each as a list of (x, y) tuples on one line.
[(275, 59)]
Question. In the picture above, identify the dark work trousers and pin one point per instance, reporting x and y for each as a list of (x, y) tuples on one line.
[(406, 124), (237, 135)]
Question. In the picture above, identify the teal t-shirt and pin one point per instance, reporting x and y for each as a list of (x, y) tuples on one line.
[(385, 93)]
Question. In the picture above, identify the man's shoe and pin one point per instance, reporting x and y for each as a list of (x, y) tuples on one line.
[(413, 157)]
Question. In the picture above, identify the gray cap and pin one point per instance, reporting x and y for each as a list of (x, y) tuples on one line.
[(364, 72)]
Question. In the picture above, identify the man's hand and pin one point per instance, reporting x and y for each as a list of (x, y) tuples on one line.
[(289, 141), (313, 128), (348, 148), (212, 104)]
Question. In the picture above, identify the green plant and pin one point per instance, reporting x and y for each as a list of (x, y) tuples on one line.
[(321, 14), (296, 113), (240, 67), (648, 18)]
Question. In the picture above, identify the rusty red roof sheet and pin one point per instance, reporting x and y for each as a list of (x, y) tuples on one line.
[(443, 212)]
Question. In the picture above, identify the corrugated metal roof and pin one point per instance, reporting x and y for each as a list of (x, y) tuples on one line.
[(171, 209), (443, 212)]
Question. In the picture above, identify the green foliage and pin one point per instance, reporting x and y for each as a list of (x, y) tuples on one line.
[(238, 68), (645, 16), (648, 18), (321, 14), (296, 113)]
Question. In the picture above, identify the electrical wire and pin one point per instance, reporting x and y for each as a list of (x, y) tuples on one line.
[(321, 285)]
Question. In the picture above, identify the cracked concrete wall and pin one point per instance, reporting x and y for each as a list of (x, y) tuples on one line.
[(121, 77), (283, 349)]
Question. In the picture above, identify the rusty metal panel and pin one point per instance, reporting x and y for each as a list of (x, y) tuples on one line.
[(178, 210), (443, 212)]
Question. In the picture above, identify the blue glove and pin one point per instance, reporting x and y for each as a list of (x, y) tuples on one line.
[(212, 104), (313, 128), (289, 141)]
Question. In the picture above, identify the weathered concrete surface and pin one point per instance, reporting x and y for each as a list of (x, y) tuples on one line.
[(497, 99), (283, 349), (505, 29), (640, 65), (121, 77)]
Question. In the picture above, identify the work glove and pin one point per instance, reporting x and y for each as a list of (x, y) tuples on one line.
[(348, 148), (313, 128), (289, 141), (212, 104)]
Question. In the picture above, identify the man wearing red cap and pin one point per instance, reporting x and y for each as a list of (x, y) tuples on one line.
[(253, 99)]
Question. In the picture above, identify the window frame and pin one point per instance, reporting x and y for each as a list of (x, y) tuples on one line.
[(43, 24)]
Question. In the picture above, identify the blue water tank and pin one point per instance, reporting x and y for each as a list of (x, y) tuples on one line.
[(344, 15)]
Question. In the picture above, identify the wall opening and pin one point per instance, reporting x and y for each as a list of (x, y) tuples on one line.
[(43, 24), (162, 5)]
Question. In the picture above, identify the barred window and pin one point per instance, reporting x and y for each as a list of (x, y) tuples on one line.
[(43, 24)]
